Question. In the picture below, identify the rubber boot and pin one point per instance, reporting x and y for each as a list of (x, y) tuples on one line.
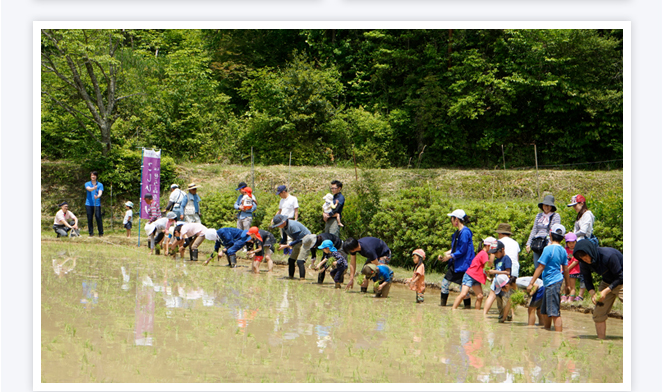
[(443, 299), (468, 303), (337, 285), (157, 249), (194, 254), (302, 269), (291, 268), (321, 277), (230, 263), (190, 254), (233, 261), (364, 289)]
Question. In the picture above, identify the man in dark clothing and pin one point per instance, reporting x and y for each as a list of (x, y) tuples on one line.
[(373, 249), (232, 239), (331, 224), (609, 264)]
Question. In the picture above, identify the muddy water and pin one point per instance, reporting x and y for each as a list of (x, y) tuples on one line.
[(134, 319)]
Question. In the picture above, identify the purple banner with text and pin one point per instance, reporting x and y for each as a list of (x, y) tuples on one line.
[(150, 180)]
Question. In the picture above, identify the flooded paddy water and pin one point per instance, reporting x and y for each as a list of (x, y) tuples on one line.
[(113, 314)]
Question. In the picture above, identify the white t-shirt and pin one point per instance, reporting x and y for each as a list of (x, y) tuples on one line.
[(176, 196), (511, 248), (127, 216), (193, 230), (288, 206), (523, 282)]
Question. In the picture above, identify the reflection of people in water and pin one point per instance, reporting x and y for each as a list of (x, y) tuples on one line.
[(62, 269), (90, 294), (144, 312)]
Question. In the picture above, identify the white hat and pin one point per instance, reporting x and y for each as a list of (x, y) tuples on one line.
[(174, 186), (149, 228), (129, 204), (558, 229), (489, 240), (460, 214), (210, 234), (500, 281)]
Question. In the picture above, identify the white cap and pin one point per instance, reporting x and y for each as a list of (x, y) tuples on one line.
[(460, 214), (174, 186), (129, 204), (558, 229), (500, 281), (489, 240), (149, 228), (210, 234)]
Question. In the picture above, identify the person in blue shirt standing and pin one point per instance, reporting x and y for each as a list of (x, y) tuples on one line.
[(191, 205), (459, 257), (93, 203), (331, 224), (549, 268), (244, 217)]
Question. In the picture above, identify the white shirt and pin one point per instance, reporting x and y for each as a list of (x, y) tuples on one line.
[(511, 248), (584, 227), (288, 206), (176, 196), (127, 216)]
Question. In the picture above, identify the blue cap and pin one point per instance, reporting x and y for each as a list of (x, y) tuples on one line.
[(241, 185), (327, 244), (280, 189)]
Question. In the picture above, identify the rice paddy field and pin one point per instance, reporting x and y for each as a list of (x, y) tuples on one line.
[(111, 313)]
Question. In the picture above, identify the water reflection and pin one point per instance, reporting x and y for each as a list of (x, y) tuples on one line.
[(324, 337), (90, 294), (63, 268), (144, 325)]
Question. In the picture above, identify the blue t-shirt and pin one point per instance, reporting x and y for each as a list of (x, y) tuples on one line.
[(553, 258), (503, 263), (384, 274), (89, 199)]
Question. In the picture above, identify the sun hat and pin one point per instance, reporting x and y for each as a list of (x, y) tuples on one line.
[(496, 247), (504, 228), (281, 188), (460, 214), (369, 269), (255, 231), (327, 244), (489, 240), (548, 200), (149, 228), (558, 229), (211, 235), (420, 253), (328, 197), (279, 220), (171, 215), (241, 185), (500, 281), (192, 186), (129, 204), (576, 199), (174, 186), (570, 237)]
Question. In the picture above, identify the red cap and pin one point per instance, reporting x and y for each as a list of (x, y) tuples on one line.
[(576, 199)]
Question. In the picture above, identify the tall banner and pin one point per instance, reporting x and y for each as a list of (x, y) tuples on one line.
[(150, 179)]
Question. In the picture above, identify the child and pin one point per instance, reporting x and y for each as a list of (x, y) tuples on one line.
[(339, 266), (534, 307), (127, 217), (247, 201), (264, 242), (417, 282), (475, 276), (502, 267), (552, 258), (381, 274), (574, 269), (329, 206), (504, 287)]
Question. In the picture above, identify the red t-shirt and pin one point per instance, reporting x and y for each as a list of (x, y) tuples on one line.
[(576, 269), (476, 268)]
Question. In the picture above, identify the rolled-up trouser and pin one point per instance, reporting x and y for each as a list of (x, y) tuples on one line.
[(331, 227), (244, 223), (61, 230), (600, 313), (95, 212)]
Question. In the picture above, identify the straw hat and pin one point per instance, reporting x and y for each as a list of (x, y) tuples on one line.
[(192, 186)]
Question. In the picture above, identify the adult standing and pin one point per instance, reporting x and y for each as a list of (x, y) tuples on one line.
[(547, 218), (93, 203), (61, 223), (373, 249), (511, 247), (331, 224), (584, 225), (232, 239), (191, 205), (301, 244), (175, 200), (245, 217), (288, 204), (609, 264), (459, 257)]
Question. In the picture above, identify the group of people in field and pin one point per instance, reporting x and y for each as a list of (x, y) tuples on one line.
[(562, 257)]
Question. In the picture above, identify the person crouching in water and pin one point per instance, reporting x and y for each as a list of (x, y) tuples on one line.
[(382, 275), (264, 243), (338, 267), (504, 286), (475, 275), (417, 283)]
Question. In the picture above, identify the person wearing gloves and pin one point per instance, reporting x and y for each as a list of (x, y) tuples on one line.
[(175, 200), (301, 244), (609, 264), (232, 239), (191, 205), (460, 257), (246, 204)]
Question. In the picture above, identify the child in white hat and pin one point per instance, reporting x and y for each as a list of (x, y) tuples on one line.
[(128, 215)]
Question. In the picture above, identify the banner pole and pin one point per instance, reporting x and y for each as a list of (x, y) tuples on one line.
[(140, 201)]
